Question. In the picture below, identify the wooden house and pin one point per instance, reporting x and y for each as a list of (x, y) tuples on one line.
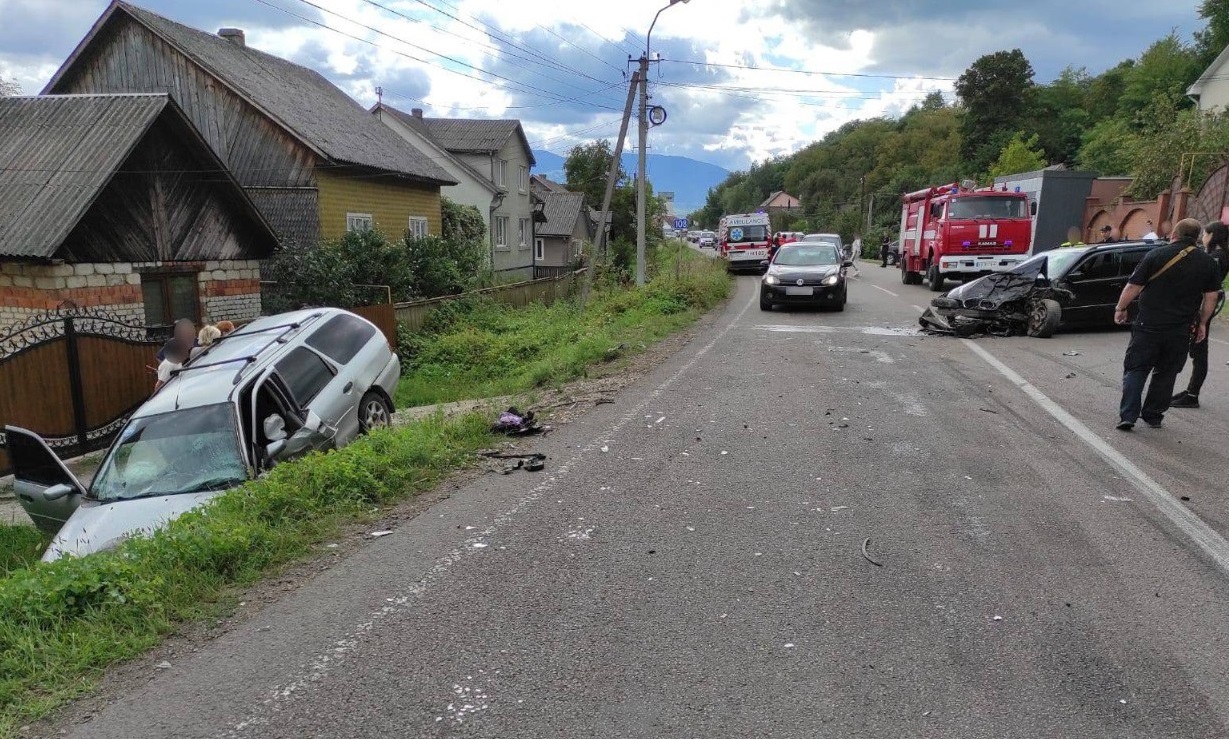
[(117, 202), (314, 161)]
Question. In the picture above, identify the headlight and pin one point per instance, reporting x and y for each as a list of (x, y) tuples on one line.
[(831, 280), (772, 280)]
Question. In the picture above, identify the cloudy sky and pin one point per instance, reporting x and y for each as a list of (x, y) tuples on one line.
[(559, 66)]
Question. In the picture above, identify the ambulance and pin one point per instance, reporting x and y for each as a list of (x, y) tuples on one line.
[(743, 240)]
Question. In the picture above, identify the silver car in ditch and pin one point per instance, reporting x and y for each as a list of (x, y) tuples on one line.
[(277, 388)]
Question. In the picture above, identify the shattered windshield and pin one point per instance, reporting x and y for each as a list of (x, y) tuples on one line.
[(187, 451), (808, 256), (987, 207)]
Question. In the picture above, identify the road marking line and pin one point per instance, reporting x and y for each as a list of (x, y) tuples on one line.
[(1218, 341), (319, 666), (1212, 543), (889, 292)]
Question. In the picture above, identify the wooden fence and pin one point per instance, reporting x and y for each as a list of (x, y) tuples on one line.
[(74, 377), (545, 290)]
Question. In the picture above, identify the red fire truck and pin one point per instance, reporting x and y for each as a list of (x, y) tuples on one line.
[(961, 232)]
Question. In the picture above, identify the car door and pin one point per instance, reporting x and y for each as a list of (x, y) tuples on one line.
[(1096, 283), (36, 469), (317, 386)]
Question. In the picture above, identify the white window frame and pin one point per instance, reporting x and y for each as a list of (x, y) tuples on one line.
[(419, 227), (501, 172), (525, 231), (499, 232), (359, 222), (522, 179), (539, 249)]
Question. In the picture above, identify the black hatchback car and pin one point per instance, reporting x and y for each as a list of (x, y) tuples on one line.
[(1065, 287), (805, 273)]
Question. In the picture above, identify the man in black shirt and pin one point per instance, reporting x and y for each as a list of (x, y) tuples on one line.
[(1177, 285)]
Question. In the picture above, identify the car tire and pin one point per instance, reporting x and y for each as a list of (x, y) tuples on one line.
[(935, 278), (373, 412), (1044, 318), (765, 304)]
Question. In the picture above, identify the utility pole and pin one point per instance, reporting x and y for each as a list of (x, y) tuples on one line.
[(612, 178), (641, 180)]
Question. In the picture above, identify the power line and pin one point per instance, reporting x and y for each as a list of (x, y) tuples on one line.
[(807, 71)]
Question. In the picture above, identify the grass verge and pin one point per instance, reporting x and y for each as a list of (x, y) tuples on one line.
[(480, 349), (61, 623), (20, 546)]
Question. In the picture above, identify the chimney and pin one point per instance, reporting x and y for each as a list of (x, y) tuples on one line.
[(416, 112), (233, 35)]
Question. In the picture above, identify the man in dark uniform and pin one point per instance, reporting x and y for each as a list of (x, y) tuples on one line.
[(1177, 285), (884, 247)]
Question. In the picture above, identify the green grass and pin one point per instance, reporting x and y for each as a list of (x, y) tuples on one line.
[(20, 546), (480, 349), (61, 623)]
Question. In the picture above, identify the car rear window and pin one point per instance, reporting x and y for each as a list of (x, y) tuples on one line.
[(341, 337)]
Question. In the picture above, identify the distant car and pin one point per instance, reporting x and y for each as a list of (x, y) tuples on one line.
[(277, 388), (707, 240), (893, 253), (1061, 288), (693, 236), (821, 238), (805, 273)]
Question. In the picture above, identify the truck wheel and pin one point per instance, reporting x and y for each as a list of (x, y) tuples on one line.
[(1044, 318), (935, 278), (907, 277)]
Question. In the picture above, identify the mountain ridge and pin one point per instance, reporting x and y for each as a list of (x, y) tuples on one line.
[(689, 179)]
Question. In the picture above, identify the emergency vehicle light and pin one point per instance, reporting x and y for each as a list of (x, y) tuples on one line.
[(967, 243), (1007, 243)]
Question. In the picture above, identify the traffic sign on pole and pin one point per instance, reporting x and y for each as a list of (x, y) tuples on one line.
[(680, 224)]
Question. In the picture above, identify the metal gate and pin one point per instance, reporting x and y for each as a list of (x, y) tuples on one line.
[(74, 376)]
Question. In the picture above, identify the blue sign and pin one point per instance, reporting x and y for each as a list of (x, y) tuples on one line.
[(680, 224), (736, 234)]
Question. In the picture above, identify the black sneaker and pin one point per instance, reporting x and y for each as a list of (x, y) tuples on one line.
[(1153, 424), (1125, 426), (1184, 400)]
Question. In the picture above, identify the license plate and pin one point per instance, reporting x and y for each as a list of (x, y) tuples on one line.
[(799, 291), (760, 254)]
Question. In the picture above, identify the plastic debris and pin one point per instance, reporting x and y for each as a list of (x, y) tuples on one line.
[(514, 423), (998, 618), (163, 665), (1071, 354), (378, 534)]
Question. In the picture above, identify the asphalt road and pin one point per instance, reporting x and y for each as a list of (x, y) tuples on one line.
[(691, 565)]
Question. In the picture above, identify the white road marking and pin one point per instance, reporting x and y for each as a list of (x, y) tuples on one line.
[(319, 666), (1218, 341), (1204, 536), (889, 292), (918, 308)]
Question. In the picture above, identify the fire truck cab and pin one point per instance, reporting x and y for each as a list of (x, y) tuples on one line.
[(956, 231)]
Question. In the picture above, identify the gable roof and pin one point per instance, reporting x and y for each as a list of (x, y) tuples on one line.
[(1213, 70), (415, 123), (477, 135), (299, 99), (777, 194), (545, 184), (58, 153), (561, 211)]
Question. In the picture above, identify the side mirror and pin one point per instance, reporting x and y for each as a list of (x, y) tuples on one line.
[(1032, 208), (56, 492), (847, 263)]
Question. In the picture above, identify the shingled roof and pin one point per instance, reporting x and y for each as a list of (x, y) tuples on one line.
[(416, 123), (476, 135), (299, 99), (58, 153), (562, 209)]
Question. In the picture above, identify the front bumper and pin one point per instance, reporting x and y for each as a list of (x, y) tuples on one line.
[(979, 265), (820, 295)]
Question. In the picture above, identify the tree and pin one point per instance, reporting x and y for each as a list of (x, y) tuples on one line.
[(461, 222), (996, 92), (1020, 155), (587, 167), (1213, 39), (1106, 148), (1168, 68)]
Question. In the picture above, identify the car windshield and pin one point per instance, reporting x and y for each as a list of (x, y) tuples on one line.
[(988, 207), (808, 256), (1060, 260), (187, 451), (822, 239)]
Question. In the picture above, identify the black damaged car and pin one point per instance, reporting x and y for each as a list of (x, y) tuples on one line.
[(805, 273), (1065, 287)]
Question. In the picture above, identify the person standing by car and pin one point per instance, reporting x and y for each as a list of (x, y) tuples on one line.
[(885, 246), (1074, 238), (175, 354), (184, 331), (855, 251), (1107, 235), (1177, 284), (1216, 242)]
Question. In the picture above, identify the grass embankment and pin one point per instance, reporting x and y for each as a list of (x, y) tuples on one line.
[(479, 349), (62, 623)]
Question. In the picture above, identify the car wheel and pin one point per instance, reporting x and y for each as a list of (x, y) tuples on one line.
[(1044, 318), (935, 278), (373, 412), (765, 304)]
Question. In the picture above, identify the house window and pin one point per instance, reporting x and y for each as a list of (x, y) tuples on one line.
[(501, 231), (522, 179), (169, 296), (501, 172), (539, 250), (358, 222), (418, 227), (524, 231)]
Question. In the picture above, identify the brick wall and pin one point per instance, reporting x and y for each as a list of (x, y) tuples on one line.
[(228, 290)]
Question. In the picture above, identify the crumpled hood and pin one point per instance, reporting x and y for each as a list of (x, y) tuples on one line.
[(95, 527), (999, 287)]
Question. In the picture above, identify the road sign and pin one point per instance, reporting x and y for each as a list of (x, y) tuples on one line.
[(680, 224)]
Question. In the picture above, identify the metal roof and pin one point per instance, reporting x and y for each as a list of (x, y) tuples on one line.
[(56, 156), (561, 211), (301, 100), (416, 123), (476, 135)]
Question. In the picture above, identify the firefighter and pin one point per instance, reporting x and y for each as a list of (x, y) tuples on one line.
[(1073, 237)]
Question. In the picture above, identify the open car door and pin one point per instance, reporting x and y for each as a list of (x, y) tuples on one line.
[(43, 484)]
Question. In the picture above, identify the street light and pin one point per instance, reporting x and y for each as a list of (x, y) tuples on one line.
[(641, 194)]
